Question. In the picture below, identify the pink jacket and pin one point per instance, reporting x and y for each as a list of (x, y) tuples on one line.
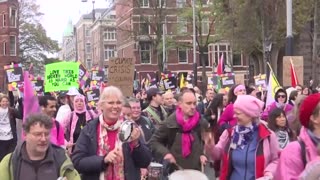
[(270, 149), (291, 164), (55, 138), (66, 121), (227, 117), (287, 109)]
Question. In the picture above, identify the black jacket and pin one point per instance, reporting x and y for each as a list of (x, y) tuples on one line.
[(90, 165)]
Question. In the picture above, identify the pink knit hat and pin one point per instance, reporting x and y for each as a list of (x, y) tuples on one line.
[(249, 105)]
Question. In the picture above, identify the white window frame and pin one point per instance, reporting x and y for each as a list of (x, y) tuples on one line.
[(159, 2), (4, 48), (182, 25), (89, 63), (144, 3), (11, 53), (178, 53), (110, 34), (205, 26), (181, 3), (144, 50), (141, 23), (109, 52), (87, 31), (88, 48), (4, 20), (227, 53), (15, 17)]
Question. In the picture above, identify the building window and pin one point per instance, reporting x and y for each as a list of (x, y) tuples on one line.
[(204, 57), (13, 45), (161, 3), (236, 59), (13, 17), (145, 52), (4, 48), (88, 48), (4, 20), (183, 55), (89, 64), (144, 3), (182, 25), (205, 25), (144, 28), (181, 3), (109, 52), (87, 31), (110, 34), (220, 49)]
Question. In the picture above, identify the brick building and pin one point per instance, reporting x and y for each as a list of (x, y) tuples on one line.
[(135, 37), (103, 32), (9, 34)]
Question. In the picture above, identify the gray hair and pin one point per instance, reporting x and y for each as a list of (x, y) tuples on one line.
[(133, 100), (110, 91), (39, 118)]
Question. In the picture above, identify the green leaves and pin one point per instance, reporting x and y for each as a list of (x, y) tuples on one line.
[(35, 45)]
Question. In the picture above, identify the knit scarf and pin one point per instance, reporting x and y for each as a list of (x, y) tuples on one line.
[(315, 139), (187, 126), (242, 135), (114, 171), (283, 138)]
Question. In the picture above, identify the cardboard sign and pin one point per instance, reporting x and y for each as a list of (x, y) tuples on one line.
[(93, 97), (61, 76), (121, 74), (14, 76)]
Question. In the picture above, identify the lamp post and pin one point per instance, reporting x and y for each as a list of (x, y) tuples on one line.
[(267, 51), (289, 38), (195, 73)]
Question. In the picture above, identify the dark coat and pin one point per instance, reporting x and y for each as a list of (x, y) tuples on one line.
[(13, 115), (168, 139), (90, 165)]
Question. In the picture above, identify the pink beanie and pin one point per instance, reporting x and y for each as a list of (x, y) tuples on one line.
[(249, 105)]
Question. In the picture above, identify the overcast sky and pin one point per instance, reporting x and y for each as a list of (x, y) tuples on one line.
[(58, 12)]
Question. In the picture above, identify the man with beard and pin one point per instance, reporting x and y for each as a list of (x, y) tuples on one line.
[(36, 157)]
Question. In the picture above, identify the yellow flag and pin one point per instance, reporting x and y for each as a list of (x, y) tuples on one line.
[(182, 83)]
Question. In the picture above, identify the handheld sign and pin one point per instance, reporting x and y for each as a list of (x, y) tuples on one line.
[(121, 74), (14, 76), (61, 76), (93, 95)]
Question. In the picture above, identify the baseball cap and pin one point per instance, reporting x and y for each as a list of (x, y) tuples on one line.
[(73, 91), (152, 92)]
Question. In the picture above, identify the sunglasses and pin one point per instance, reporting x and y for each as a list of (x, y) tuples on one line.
[(281, 96)]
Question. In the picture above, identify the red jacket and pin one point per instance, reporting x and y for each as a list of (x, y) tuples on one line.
[(266, 153)]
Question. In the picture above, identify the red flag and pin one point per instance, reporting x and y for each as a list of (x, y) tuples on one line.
[(220, 68), (294, 79)]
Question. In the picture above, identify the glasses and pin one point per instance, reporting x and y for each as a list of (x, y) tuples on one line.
[(281, 96), (39, 135)]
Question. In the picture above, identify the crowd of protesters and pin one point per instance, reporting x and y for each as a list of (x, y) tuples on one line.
[(227, 135)]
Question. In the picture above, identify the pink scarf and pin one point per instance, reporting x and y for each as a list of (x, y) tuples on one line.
[(79, 97), (187, 126)]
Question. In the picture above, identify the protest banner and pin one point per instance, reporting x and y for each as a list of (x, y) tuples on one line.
[(83, 75), (260, 82), (227, 81), (92, 95), (168, 82), (121, 74), (61, 76), (38, 86), (97, 77), (14, 76)]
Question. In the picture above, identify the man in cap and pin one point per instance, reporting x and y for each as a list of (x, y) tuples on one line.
[(155, 111), (68, 107)]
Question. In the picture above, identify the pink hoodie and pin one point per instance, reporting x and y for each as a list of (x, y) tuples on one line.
[(291, 164), (227, 117)]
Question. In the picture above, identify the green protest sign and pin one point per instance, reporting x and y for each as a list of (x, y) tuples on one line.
[(61, 76)]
